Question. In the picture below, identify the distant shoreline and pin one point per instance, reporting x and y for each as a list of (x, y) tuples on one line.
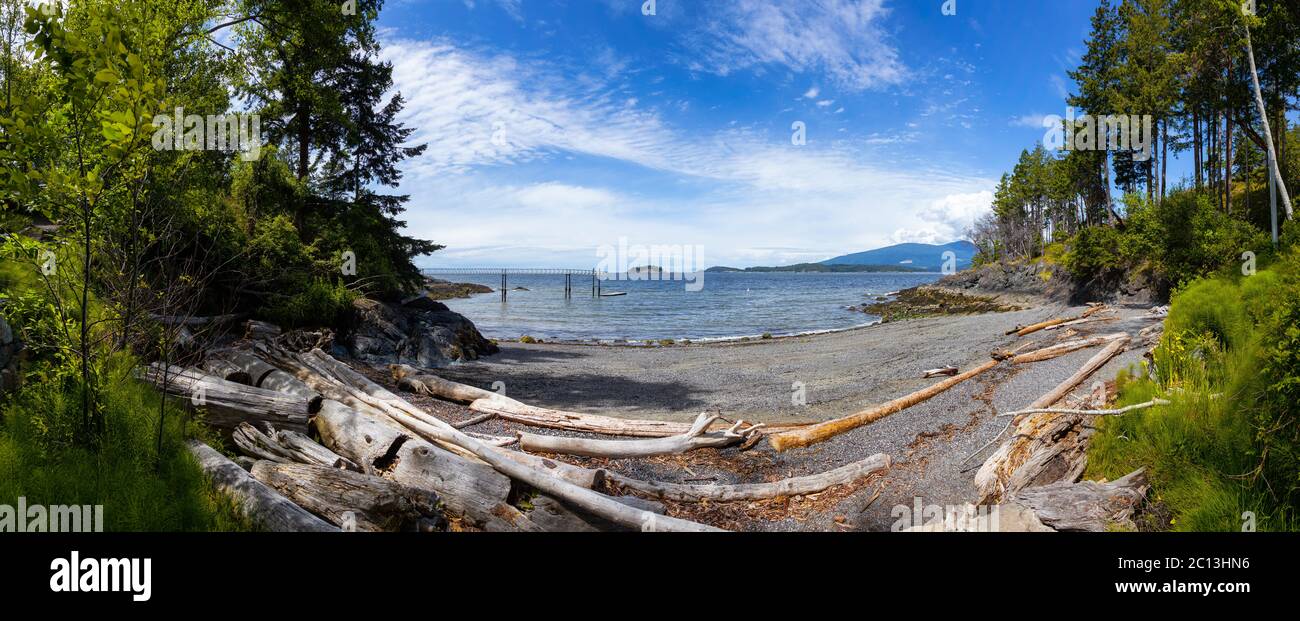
[(818, 268)]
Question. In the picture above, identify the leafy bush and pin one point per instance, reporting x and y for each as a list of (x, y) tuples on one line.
[(320, 303)]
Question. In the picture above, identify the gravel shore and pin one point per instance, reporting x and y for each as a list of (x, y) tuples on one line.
[(841, 373)]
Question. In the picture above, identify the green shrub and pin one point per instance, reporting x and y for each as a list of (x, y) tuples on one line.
[(320, 304), (1230, 441)]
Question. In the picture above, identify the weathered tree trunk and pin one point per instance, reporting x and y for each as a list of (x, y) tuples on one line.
[(228, 404), (694, 438), (374, 503), (287, 447), (1060, 349), (257, 502), (556, 517), (471, 490), (1263, 116), (195, 322), (796, 486), (263, 375), (1091, 366), (1087, 505), (829, 429), (1022, 331)]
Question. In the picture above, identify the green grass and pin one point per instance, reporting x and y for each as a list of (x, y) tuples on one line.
[(1229, 442), (141, 488)]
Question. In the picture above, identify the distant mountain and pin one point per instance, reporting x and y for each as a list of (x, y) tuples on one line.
[(928, 257), (820, 267)]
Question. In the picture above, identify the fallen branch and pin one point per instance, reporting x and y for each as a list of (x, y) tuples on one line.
[(255, 501), (1117, 412), (695, 438), (287, 447), (823, 431), (797, 486), (945, 371)]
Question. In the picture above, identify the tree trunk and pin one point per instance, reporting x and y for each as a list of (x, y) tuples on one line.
[(1087, 506), (1061, 349), (695, 438), (829, 429), (351, 500), (228, 404), (1263, 114), (797, 486), (470, 490), (260, 504), (287, 447)]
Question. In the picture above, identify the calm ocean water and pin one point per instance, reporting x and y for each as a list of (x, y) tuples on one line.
[(731, 305)]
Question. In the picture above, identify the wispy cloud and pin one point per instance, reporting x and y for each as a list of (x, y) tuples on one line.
[(483, 114), (844, 39)]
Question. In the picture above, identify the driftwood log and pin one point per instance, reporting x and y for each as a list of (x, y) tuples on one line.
[(1030, 329), (556, 517), (797, 486), (352, 500), (1061, 349), (257, 502), (823, 431), (287, 447), (1046, 447), (227, 404), (694, 438), (262, 374), (473, 491), (1087, 505)]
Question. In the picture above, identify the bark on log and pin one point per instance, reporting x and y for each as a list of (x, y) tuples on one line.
[(797, 486), (1087, 505), (259, 503), (227, 404), (262, 374), (375, 504), (824, 431), (1061, 349), (473, 491), (695, 438)]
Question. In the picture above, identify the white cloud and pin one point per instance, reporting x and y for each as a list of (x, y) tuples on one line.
[(812, 93), (841, 38), (751, 199)]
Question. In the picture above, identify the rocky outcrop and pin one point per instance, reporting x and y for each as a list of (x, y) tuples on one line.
[(420, 332)]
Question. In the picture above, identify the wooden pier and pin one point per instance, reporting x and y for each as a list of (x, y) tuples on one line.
[(505, 273)]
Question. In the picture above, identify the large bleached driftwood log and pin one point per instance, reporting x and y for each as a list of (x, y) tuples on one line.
[(287, 447), (471, 490), (1115, 348), (227, 404), (823, 431), (374, 503), (259, 503), (694, 438), (796, 486), (1087, 505), (1061, 349), (262, 374)]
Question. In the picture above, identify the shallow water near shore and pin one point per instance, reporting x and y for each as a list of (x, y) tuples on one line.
[(729, 306)]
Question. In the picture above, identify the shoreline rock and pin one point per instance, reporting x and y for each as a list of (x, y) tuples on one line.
[(420, 331)]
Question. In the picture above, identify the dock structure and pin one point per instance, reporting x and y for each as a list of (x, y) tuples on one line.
[(505, 273)]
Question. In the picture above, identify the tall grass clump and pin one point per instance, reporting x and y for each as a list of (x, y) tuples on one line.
[(1229, 443)]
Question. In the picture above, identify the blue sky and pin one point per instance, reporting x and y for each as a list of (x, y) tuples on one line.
[(558, 126)]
